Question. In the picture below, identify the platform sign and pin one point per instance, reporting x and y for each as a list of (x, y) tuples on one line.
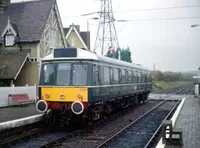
[(196, 79), (196, 89)]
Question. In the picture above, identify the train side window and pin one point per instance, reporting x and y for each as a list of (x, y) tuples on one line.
[(111, 75), (106, 76), (101, 75), (120, 76), (136, 76), (139, 77), (132, 76), (126, 76), (150, 77), (129, 76), (123, 76), (96, 74), (142, 77), (116, 76)]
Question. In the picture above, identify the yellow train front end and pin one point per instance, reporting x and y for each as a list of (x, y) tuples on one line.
[(63, 98)]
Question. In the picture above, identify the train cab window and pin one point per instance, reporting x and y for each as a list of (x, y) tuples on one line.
[(123, 76), (80, 74), (116, 76), (47, 74), (63, 74)]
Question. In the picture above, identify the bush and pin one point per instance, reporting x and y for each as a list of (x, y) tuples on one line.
[(169, 76)]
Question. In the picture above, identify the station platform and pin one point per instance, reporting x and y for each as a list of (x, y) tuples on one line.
[(16, 116), (188, 119)]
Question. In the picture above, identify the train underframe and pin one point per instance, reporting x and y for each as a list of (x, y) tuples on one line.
[(64, 115)]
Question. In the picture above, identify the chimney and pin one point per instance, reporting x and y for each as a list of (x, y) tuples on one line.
[(76, 26), (3, 5)]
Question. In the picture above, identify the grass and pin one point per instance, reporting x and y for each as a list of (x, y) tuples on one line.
[(162, 85)]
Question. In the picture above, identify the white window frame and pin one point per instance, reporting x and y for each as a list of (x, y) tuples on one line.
[(73, 42), (52, 37), (9, 40)]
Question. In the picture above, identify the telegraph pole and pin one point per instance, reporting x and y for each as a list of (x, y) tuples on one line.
[(106, 34)]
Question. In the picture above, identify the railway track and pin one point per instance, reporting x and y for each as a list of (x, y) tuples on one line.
[(11, 136), (141, 132), (186, 90), (55, 139)]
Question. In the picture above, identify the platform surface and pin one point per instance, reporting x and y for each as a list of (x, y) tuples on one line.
[(13, 113), (189, 121)]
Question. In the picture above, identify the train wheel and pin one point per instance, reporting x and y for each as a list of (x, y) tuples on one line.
[(143, 98), (136, 100)]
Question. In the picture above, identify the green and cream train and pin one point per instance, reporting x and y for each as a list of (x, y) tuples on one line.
[(78, 84)]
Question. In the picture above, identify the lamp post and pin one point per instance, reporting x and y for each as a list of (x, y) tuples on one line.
[(195, 25), (93, 18)]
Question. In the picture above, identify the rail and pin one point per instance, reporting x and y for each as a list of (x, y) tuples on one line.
[(131, 124), (22, 133), (159, 128)]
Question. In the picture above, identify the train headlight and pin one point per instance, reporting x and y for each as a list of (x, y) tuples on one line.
[(47, 95)]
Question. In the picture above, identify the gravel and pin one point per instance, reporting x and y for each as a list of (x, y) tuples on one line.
[(109, 128), (138, 135)]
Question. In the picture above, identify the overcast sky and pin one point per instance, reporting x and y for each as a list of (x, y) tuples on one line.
[(172, 44)]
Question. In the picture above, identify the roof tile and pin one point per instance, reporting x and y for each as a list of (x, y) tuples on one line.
[(29, 17)]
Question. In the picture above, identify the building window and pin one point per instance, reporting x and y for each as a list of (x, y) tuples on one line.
[(9, 40), (52, 37), (73, 42)]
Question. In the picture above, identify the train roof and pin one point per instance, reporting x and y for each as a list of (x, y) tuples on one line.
[(77, 53)]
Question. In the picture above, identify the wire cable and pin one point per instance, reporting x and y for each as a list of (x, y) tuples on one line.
[(152, 9), (177, 18)]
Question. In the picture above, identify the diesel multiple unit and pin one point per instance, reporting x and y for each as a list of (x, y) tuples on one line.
[(78, 84)]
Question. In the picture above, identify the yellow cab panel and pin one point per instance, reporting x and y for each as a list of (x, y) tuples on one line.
[(64, 94)]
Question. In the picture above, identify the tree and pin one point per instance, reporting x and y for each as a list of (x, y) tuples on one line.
[(125, 54), (111, 53)]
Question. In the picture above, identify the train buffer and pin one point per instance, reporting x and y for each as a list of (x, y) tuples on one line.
[(171, 135)]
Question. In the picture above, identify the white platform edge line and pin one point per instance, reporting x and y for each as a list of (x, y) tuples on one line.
[(21, 119), (177, 112)]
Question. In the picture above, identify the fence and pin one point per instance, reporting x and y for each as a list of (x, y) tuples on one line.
[(5, 91)]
